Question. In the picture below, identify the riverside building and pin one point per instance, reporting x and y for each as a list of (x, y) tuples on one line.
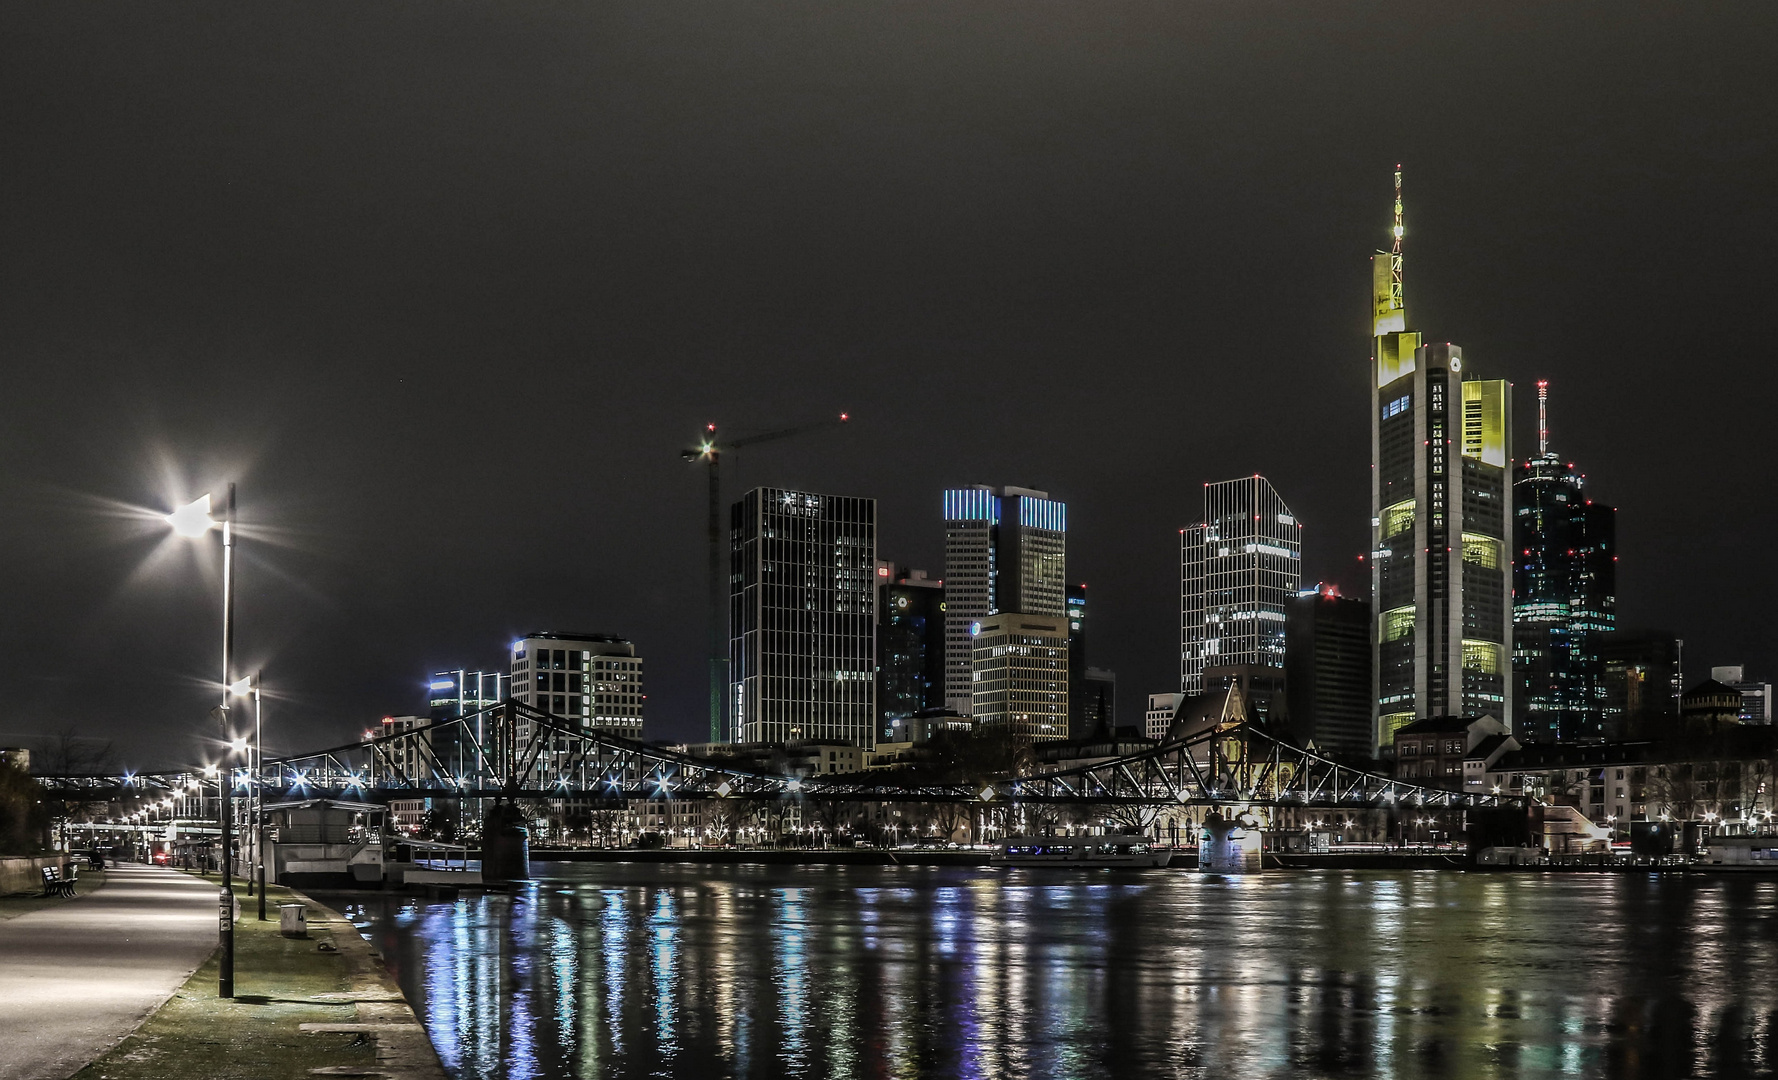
[(802, 618), (1240, 568), (1440, 521), (1006, 549)]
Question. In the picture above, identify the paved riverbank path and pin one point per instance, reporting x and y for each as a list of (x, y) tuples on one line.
[(77, 977)]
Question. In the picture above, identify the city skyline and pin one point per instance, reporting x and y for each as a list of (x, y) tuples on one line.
[(455, 401)]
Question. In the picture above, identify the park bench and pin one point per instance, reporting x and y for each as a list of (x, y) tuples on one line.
[(54, 884)]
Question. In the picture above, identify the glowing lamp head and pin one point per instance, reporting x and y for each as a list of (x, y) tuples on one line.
[(193, 519), (241, 687), (237, 745)]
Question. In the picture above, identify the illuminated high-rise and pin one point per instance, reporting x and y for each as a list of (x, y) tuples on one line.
[(1564, 596), (802, 618), (1006, 549), (1240, 568), (1441, 522), (591, 680)]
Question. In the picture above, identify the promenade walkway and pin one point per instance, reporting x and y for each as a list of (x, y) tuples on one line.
[(77, 977)]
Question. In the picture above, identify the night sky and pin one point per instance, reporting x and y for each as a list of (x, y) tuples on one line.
[(447, 287)]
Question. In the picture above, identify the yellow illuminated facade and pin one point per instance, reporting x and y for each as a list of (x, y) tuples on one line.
[(1398, 519), (1482, 550), (1485, 418)]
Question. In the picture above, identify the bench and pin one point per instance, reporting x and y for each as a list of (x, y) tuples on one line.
[(54, 884)]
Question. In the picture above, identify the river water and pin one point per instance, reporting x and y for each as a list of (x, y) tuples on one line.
[(697, 971)]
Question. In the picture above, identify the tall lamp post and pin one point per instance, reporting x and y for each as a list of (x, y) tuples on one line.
[(195, 520), (249, 687)]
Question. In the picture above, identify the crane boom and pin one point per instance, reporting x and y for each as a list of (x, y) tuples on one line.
[(710, 454)]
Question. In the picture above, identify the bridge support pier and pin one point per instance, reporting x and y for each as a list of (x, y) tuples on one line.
[(506, 846)]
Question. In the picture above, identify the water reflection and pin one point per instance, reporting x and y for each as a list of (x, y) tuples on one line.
[(859, 972)]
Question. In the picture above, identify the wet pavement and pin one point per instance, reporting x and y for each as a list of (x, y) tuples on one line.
[(77, 977)]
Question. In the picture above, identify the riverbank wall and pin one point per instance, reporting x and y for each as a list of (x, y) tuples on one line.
[(24, 873)]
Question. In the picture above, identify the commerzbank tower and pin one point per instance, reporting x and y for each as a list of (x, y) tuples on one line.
[(1441, 520)]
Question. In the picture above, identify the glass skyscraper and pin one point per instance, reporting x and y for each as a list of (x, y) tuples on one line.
[(1564, 596), (802, 618), (910, 645), (1006, 549), (1440, 522), (1239, 570)]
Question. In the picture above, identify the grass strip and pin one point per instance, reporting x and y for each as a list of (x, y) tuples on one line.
[(11, 907), (279, 983)]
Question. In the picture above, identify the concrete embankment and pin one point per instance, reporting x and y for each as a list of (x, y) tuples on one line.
[(24, 873), (320, 1005)]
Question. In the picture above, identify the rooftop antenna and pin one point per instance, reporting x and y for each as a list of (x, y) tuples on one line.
[(1395, 297), (1543, 417)]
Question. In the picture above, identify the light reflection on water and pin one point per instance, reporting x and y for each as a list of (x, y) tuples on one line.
[(642, 970)]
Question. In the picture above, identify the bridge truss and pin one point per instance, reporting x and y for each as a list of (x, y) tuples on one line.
[(512, 751)]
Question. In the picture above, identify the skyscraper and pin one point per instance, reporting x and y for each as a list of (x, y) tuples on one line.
[(1078, 725), (910, 644), (802, 618), (1644, 678), (1564, 596), (1005, 550), (1440, 521), (1239, 569), (1328, 670)]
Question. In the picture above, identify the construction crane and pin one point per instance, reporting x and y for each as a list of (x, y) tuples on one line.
[(708, 453)]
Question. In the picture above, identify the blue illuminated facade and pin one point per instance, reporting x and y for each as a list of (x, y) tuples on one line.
[(1005, 550)]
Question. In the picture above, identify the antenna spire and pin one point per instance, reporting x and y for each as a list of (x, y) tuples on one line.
[(1543, 417), (1396, 300)]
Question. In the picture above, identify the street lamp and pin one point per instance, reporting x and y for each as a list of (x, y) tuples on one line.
[(249, 687), (194, 520)]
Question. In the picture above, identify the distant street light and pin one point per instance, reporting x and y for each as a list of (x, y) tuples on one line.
[(194, 520), (249, 687)]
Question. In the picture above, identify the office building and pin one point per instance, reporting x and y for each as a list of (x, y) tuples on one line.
[(1239, 569), (802, 618), (1020, 675), (1078, 726), (1756, 697), (1005, 550), (1441, 441), (404, 759), (910, 645), (1097, 710), (451, 695), (1644, 677), (1327, 667), (1158, 717), (591, 681), (1564, 596)]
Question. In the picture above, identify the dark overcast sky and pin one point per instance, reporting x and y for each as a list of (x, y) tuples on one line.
[(447, 287)]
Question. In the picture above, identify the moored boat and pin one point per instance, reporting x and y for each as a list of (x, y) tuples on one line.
[(1080, 852)]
